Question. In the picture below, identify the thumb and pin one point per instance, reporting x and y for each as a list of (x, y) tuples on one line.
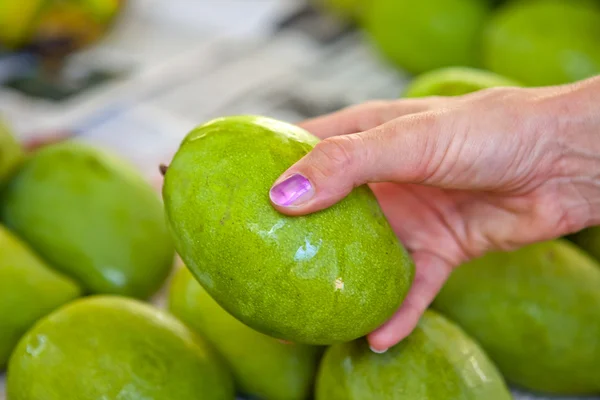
[(399, 151)]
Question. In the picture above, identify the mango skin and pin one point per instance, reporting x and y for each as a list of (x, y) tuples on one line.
[(544, 42), (11, 153), (29, 290), (261, 366), (110, 347), (589, 240), (437, 361), (328, 277), (92, 217), (419, 36), (455, 81), (536, 311)]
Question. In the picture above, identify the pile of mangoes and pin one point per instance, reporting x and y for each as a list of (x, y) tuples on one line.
[(536, 42), (267, 306)]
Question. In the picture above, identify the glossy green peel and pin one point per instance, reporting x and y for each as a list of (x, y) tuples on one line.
[(328, 277), (92, 217), (262, 366), (109, 347), (455, 81), (437, 361), (29, 290), (536, 311)]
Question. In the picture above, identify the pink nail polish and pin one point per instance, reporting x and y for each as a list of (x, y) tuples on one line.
[(292, 191)]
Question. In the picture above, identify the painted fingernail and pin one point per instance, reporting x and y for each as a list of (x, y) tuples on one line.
[(292, 191), (378, 351)]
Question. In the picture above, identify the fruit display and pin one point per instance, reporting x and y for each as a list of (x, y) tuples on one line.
[(536, 312), (29, 290), (455, 81), (10, 153), (262, 366), (71, 24), (544, 42), (589, 240), (282, 276), (109, 347), (92, 217), (418, 36), (437, 361)]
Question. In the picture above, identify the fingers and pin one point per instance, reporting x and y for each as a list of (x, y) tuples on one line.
[(364, 117), (398, 151), (432, 272)]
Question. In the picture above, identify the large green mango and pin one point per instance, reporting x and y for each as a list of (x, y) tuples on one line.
[(28, 291), (589, 240), (11, 153), (438, 361), (328, 277), (110, 347), (262, 366), (536, 311), (91, 216), (455, 81)]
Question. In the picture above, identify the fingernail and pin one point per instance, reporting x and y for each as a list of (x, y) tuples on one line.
[(378, 351), (292, 191)]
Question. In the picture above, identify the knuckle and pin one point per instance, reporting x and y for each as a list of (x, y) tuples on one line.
[(336, 154)]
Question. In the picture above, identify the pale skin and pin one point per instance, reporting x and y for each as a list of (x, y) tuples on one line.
[(458, 177)]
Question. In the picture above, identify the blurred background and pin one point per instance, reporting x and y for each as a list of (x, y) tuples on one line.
[(137, 75)]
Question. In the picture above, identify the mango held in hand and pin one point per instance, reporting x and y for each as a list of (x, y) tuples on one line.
[(455, 81), (92, 217), (328, 277), (536, 311), (437, 361), (28, 291), (10, 153), (110, 347), (589, 240), (262, 366)]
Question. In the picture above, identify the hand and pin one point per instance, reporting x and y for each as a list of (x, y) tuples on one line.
[(458, 176)]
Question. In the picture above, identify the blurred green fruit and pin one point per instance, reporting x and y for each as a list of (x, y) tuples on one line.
[(262, 366), (114, 348), (544, 42), (536, 311), (588, 240), (418, 36), (92, 217), (455, 81), (438, 361), (11, 153), (29, 290)]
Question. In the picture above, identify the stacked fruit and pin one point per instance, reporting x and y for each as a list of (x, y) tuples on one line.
[(536, 42), (86, 241)]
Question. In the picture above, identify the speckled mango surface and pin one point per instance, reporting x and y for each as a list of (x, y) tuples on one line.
[(438, 361), (92, 217), (111, 347), (536, 311), (329, 277), (263, 367), (29, 290)]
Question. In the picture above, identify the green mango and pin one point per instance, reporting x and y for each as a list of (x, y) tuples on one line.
[(455, 81), (262, 366), (536, 311), (419, 36), (437, 361), (323, 278), (28, 291), (544, 42), (11, 153), (91, 216), (110, 347), (588, 240)]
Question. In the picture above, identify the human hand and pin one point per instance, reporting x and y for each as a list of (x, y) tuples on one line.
[(458, 176)]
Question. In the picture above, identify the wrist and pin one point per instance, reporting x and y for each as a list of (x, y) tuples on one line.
[(573, 118)]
